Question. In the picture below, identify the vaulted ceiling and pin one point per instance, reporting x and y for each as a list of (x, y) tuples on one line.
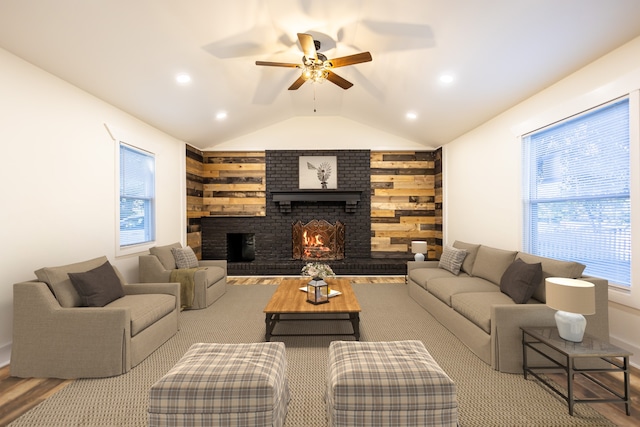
[(497, 53)]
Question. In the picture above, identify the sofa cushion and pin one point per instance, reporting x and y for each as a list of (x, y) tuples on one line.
[(520, 280), (491, 263), (476, 306), (145, 309), (165, 255), (552, 268), (57, 278), (97, 287), (423, 275), (185, 257), (444, 288), (472, 252), (451, 259)]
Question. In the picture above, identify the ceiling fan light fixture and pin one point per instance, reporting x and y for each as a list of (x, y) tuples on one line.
[(315, 73), (316, 67)]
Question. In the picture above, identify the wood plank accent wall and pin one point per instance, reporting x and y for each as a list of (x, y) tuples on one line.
[(222, 184), (406, 203), (406, 196), (234, 183), (195, 183)]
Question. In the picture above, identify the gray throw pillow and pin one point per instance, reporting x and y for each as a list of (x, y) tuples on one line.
[(97, 287), (520, 280), (185, 257), (451, 259)]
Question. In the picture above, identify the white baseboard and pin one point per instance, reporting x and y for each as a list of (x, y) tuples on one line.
[(634, 360)]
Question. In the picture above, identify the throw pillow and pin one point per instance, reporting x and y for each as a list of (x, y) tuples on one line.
[(165, 255), (520, 280), (451, 259), (185, 257), (472, 251), (98, 287)]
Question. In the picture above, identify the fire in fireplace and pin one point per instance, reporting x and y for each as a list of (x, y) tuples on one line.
[(318, 240)]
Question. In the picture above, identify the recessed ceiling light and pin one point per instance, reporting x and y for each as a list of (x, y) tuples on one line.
[(221, 115), (446, 78), (411, 115), (183, 78)]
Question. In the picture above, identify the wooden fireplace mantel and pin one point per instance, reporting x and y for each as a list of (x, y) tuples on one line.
[(285, 198)]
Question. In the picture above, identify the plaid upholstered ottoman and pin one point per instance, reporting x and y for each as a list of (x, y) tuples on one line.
[(223, 385), (387, 384)]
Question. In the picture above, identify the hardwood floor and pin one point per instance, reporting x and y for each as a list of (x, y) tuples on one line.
[(18, 395), (273, 280)]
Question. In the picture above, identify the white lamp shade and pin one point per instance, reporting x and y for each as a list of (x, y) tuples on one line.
[(571, 295), (418, 247)]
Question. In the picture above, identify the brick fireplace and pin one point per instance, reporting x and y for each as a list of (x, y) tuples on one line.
[(272, 245)]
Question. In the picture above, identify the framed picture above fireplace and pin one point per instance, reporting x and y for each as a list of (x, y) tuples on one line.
[(318, 172)]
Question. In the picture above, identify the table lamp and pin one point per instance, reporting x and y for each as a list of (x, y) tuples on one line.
[(572, 298), (419, 248)]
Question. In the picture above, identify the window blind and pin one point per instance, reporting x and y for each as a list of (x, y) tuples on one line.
[(137, 193), (577, 192)]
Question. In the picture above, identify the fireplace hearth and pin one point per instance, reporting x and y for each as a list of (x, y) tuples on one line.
[(318, 240)]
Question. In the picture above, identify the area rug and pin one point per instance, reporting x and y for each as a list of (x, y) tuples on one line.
[(486, 397)]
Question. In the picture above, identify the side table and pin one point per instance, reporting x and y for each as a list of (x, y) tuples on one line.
[(540, 340)]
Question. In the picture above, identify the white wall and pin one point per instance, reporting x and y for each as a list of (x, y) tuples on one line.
[(322, 133), (58, 179), (482, 197)]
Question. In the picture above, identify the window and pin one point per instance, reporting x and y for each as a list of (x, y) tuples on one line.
[(137, 196), (577, 203)]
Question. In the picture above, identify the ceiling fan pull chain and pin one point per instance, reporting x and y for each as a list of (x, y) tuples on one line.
[(314, 98)]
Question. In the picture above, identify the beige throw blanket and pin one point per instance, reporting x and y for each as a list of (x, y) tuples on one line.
[(186, 277)]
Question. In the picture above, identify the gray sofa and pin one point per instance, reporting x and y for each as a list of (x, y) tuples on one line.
[(472, 306), (54, 336), (210, 279)]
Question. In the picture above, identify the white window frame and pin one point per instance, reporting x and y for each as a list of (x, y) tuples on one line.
[(626, 86), (123, 250)]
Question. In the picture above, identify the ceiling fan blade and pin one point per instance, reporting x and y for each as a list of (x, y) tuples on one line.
[(336, 79), (277, 64), (308, 46), (351, 59), (297, 83)]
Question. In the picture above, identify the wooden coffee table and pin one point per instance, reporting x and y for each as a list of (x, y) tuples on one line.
[(289, 300)]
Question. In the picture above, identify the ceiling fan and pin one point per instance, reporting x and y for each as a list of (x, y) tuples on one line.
[(316, 67)]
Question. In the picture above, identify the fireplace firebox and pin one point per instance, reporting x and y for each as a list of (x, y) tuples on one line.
[(318, 240), (240, 247)]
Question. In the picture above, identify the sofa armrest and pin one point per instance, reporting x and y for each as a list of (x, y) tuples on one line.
[(411, 265), (50, 341), (506, 321), (214, 263), (151, 270), (506, 335), (598, 323)]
